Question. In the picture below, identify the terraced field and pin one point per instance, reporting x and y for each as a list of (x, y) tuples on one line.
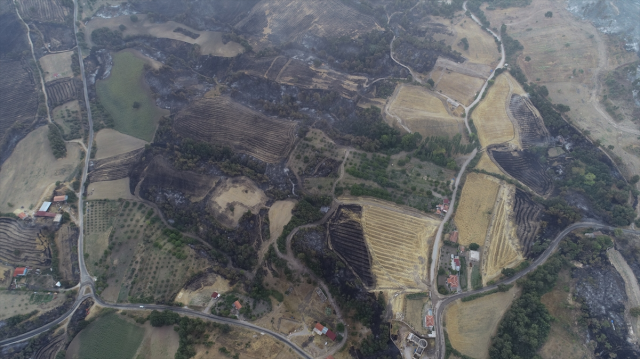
[(501, 248), (18, 96), (220, 120), (531, 128), (347, 239), (398, 240), (491, 118), (298, 73), (527, 213), (24, 245), (63, 90), (43, 10), (523, 166), (114, 168)]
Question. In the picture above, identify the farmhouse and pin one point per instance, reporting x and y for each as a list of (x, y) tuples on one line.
[(452, 281), (429, 322), (60, 198), (321, 329), (454, 237), (20, 271), (215, 295), (237, 305)]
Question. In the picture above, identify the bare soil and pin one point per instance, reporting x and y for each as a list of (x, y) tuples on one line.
[(233, 197)]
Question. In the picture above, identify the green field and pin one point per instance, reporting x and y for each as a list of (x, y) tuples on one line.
[(476, 277), (121, 90), (110, 337)]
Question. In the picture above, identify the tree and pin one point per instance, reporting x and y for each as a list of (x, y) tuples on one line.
[(548, 14), (634, 179), (474, 246), (122, 27), (464, 43), (589, 179), (635, 311), (508, 272), (527, 59), (133, 18), (431, 83), (136, 104)]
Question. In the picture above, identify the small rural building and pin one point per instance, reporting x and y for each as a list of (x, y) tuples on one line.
[(455, 264), (22, 215), (45, 207), (237, 305), (60, 198), (318, 328), (452, 281), (57, 218), (20, 271), (474, 256), (215, 295), (454, 237), (331, 335), (330, 357), (445, 201), (45, 214), (429, 321)]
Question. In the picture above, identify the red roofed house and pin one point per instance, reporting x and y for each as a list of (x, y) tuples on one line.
[(331, 335), (429, 322), (60, 198), (318, 328), (45, 214), (215, 295), (452, 281), (456, 262), (445, 201), (454, 237), (22, 215), (20, 271), (330, 357), (237, 305)]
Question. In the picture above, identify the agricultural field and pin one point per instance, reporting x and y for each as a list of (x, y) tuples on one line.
[(346, 237), (57, 66), (527, 216), (112, 143), (524, 167), (110, 190), (404, 232), (415, 311), (23, 245), (233, 197), (530, 126), (501, 248), (44, 10), (298, 73), (210, 42), (461, 87), (18, 97), (31, 171), (482, 47), (470, 325), (279, 216), (422, 112), (66, 240), (67, 117), (278, 22), (161, 174), (114, 168), (221, 120), (122, 91), (158, 343), (486, 164), (63, 90), (13, 302), (491, 118), (565, 339), (475, 209), (133, 256), (110, 336)]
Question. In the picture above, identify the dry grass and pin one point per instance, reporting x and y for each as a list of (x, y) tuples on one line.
[(110, 190), (234, 197), (474, 212), (279, 216), (210, 42), (5, 274), (201, 296), (398, 239), (17, 302), (470, 325), (58, 112), (488, 165), (501, 247), (158, 343), (112, 143), (482, 47), (57, 66), (423, 112), (414, 313), (491, 118), (462, 88), (31, 171)]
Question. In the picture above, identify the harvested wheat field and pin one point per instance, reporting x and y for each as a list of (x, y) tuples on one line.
[(491, 118), (279, 216), (460, 87), (110, 190), (482, 46), (158, 343), (486, 164), (470, 325), (501, 247), (476, 203), (57, 66), (210, 42), (112, 143), (233, 197), (221, 120), (423, 112), (31, 171), (398, 239)]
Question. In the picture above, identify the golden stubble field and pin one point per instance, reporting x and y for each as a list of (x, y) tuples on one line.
[(470, 325), (29, 175), (399, 239), (491, 118), (460, 87), (476, 203), (57, 66), (482, 46), (210, 42), (279, 216), (423, 112), (112, 143)]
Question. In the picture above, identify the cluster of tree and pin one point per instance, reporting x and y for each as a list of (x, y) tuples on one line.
[(422, 53), (464, 43), (58, 147), (384, 88), (101, 117), (237, 38), (590, 251), (307, 210), (373, 169), (364, 54), (105, 37), (441, 150), (364, 190), (511, 45), (473, 6)]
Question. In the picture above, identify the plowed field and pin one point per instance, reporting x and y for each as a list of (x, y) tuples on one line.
[(22, 245), (43, 10), (220, 120), (474, 212), (423, 112), (460, 87), (398, 239), (57, 66), (491, 118)]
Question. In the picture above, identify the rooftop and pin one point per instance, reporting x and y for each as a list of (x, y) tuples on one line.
[(20, 271), (429, 321), (237, 305), (454, 237), (453, 281)]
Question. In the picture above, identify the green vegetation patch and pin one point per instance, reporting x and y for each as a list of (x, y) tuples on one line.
[(126, 99), (110, 337)]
